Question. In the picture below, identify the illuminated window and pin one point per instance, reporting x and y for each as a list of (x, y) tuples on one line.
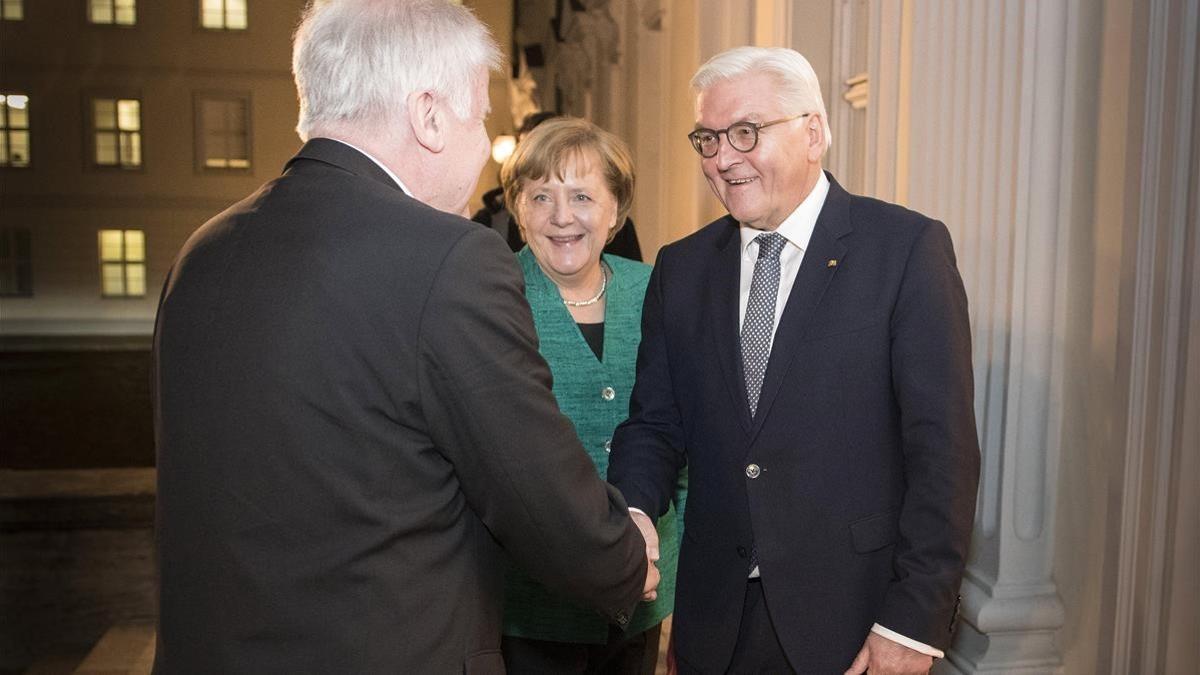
[(16, 268), (12, 10), (117, 130), (14, 130), (123, 263), (223, 14), (223, 131), (121, 12)]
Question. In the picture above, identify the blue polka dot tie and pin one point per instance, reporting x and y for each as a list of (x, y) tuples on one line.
[(759, 324)]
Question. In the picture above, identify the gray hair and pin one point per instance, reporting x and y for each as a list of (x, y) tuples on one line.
[(798, 88), (357, 61)]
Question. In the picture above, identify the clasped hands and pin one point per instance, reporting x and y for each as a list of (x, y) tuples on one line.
[(650, 534)]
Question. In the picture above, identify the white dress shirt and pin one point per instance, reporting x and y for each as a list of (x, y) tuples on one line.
[(380, 164)]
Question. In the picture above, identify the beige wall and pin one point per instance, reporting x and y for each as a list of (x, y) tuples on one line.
[(59, 59), (498, 16)]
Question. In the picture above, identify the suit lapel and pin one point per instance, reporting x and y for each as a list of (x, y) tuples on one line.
[(813, 278), (723, 301)]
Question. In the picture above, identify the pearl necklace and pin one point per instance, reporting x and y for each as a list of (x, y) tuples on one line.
[(595, 298)]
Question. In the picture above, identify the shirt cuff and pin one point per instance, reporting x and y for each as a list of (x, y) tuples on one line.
[(908, 642), (634, 509)]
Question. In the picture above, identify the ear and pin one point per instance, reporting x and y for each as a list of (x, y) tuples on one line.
[(814, 134), (426, 116)]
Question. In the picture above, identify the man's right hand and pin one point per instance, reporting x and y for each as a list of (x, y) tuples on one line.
[(650, 534)]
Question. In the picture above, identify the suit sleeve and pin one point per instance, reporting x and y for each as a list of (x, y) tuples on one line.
[(648, 450), (933, 384), (486, 394)]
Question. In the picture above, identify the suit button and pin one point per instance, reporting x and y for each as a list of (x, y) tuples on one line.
[(753, 470), (608, 445), (741, 550), (608, 393)]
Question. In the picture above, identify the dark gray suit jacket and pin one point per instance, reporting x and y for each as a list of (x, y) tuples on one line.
[(353, 422), (867, 460)]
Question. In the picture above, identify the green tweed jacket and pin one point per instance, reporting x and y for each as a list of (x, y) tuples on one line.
[(594, 394)]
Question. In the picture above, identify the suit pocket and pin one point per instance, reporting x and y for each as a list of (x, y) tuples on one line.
[(488, 662), (875, 532)]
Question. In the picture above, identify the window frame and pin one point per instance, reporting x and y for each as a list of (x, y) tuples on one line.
[(124, 262), (5, 4), (28, 129), (87, 15), (14, 261), (199, 98), (90, 129), (224, 27)]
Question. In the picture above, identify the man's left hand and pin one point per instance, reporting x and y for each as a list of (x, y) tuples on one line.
[(881, 656)]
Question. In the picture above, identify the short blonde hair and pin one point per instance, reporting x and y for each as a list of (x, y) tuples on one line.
[(547, 149)]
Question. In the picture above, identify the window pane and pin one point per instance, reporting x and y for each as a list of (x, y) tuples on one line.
[(239, 164), (3, 148), (212, 14), (104, 113), (126, 12), (135, 245), (113, 279), (101, 11), (111, 245), (14, 10), (135, 279), (235, 14), (129, 116), (18, 113), (106, 148), (214, 115), (18, 151), (216, 163), (8, 279), (23, 243), (131, 149)]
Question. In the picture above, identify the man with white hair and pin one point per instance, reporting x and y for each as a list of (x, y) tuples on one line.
[(808, 358), (353, 421)]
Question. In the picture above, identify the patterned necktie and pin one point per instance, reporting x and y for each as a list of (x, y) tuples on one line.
[(759, 324)]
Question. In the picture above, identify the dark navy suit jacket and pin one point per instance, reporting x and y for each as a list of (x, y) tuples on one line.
[(865, 437)]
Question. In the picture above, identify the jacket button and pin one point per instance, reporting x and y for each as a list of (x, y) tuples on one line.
[(741, 551), (753, 470), (608, 393), (608, 445)]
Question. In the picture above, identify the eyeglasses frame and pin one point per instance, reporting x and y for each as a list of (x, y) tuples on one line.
[(757, 126)]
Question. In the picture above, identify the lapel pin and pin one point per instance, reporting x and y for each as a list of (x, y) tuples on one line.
[(832, 262)]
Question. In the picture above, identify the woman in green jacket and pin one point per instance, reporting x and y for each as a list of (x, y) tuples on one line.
[(571, 187)]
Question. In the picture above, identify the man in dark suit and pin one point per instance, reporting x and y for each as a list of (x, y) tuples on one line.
[(353, 421), (808, 358)]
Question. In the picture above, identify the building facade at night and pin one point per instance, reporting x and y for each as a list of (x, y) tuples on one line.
[(124, 126)]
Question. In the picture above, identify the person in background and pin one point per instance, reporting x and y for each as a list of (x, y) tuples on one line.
[(353, 422), (571, 184), (497, 216), (808, 356)]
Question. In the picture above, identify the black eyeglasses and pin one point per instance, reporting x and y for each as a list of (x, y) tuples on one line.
[(742, 136)]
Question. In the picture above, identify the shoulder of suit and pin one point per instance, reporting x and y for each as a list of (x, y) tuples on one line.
[(875, 216), (702, 240)]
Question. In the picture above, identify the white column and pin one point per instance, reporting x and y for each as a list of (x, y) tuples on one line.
[(979, 143)]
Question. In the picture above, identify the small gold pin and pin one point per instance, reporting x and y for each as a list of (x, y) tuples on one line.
[(832, 262)]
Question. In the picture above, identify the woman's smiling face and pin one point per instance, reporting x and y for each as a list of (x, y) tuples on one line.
[(567, 220)]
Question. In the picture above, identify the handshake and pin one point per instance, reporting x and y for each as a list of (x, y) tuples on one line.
[(650, 534)]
